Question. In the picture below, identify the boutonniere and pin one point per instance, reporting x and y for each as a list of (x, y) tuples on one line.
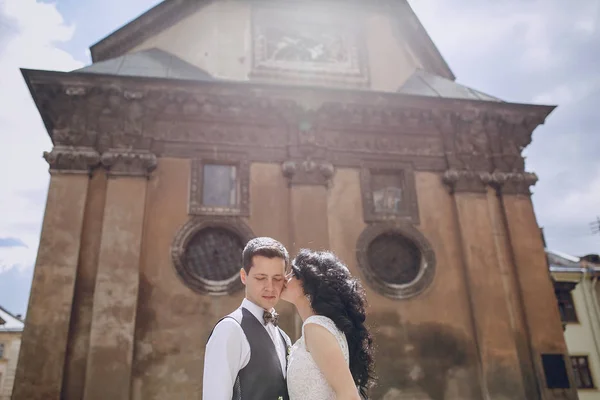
[(280, 398), (289, 350)]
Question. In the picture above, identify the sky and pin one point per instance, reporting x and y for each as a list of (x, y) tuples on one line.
[(524, 51)]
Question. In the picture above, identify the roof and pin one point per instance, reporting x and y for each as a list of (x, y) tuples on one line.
[(423, 83), (561, 262), (169, 12), (152, 63), (558, 259), (11, 323)]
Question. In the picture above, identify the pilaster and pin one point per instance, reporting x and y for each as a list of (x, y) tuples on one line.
[(41, 360), (108, 373)]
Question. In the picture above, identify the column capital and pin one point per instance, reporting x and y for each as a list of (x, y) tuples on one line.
[(128, 162), (478, 181), (70, 159), (308, 172)]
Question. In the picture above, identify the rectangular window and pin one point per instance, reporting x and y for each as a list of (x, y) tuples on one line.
[(1, 350), (582, 373), (566, 307), (388, 191), (220, 186), (555, 371)]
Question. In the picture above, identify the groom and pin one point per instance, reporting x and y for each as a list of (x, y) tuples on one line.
[(245, 356)]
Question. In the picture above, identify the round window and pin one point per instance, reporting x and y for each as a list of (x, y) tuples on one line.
[(207, 254), (396, 260), (214, 254)]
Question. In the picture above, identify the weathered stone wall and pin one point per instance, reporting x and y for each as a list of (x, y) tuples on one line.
[(112, 315)]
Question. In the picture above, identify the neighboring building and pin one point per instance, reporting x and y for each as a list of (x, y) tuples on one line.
[(576, 287), (325, 124), (11, 329)]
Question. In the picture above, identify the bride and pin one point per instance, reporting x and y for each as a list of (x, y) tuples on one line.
[(333, 358)]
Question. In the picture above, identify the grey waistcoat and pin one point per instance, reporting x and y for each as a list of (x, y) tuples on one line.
[(262, 378)]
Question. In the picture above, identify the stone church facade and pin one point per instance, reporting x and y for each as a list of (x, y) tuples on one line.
[(328, 125)]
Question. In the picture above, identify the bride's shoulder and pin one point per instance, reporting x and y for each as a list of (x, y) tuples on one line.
[(323, 321)]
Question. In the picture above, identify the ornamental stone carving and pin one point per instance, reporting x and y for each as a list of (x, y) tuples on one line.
[(268, 124), (314, 45), (478, 181), (308, 172), (514, 182), (389, 192), (68, 159), (128, 162), (465, 181)]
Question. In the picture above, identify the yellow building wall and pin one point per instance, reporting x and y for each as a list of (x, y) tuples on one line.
[(218, 39), (582, 338), (8, 363)]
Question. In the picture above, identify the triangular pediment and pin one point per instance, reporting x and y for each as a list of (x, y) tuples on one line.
[(170, 12)]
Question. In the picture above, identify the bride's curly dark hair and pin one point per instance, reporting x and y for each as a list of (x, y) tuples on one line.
[(335, 294)]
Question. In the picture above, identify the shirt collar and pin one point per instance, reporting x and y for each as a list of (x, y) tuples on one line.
[(255, 309)]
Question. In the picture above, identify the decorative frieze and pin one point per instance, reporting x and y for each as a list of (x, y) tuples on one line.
[(260, 122), (68, 159), (128, 162)]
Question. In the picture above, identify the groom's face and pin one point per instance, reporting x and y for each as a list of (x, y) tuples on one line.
[(264, 282)]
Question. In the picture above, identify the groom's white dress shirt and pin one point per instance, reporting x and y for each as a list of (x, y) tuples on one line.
[(228, 351)]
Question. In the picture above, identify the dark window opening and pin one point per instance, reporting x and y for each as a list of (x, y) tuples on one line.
[(566, 307), (555, 370)]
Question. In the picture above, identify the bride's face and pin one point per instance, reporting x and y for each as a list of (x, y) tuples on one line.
[(292, 289)]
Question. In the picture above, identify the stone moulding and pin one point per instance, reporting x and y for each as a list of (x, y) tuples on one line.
[(128, 162), (191, 278), (74, 160), (504, 182), (397, 291)]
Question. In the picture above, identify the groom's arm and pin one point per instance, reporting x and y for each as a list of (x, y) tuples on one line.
[(227, 352)]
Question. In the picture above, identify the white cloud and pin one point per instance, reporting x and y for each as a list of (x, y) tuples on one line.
[(15, 257), (539, 51), (38, 30), (569, 92)]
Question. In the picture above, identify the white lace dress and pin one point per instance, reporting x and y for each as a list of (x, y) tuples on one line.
[(304, 379)]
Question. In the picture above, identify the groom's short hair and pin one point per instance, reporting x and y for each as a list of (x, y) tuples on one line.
[(266, 247)]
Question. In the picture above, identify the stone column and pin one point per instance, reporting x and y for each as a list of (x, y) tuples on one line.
[(489, 294), (309, 228), (533, 278), (44, 343), (108, 373), (309, 181)]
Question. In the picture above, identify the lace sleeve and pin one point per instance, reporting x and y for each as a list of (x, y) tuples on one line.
[(328, 324)]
